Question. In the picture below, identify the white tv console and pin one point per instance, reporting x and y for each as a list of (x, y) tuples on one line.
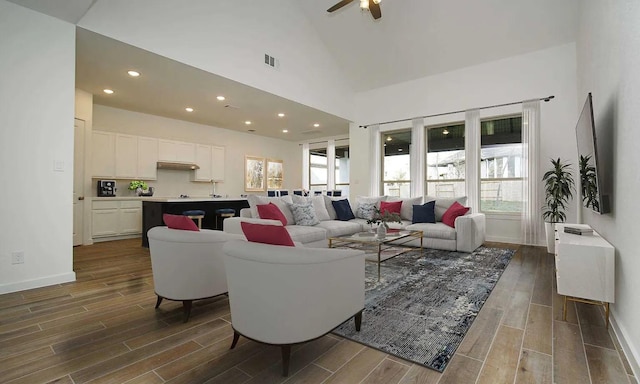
[(585, 268)]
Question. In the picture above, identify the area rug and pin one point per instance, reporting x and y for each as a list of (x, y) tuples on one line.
[(423, 306)]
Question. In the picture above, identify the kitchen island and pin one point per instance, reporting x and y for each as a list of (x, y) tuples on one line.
[(153, 208)]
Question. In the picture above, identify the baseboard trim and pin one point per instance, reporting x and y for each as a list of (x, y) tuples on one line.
[(37, 283), (499, 239), (630, 352)]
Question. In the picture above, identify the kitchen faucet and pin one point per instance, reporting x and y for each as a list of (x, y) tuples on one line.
[(213, 191)]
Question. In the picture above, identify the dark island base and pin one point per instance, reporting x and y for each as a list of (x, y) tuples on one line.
[(152, 212)]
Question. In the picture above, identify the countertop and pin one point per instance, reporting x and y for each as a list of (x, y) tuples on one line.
[(171, 199)]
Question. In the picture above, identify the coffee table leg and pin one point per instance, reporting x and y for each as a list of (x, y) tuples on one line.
[(379, 249)]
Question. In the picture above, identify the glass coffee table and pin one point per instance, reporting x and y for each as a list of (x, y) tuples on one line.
[(379, 249)]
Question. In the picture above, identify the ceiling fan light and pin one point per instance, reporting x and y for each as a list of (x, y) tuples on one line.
[(376, 1), (364, 4)]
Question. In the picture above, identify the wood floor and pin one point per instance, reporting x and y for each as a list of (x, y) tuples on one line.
[(103, 328)]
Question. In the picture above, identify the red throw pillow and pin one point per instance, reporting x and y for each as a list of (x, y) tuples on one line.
[(271, 211), (390, 206), (456, 209), (266, 234), (179, 222)]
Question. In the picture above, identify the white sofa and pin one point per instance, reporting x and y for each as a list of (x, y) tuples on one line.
[(468, 234)]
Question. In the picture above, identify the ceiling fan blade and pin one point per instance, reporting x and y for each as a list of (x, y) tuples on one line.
[(339, 5), (375, 10)]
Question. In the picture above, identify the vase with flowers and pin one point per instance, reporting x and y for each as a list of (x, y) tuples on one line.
[(382, 219)]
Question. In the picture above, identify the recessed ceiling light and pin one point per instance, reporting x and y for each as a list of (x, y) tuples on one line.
[(445, 132), (133, 73), (189, 109), (108, 91), (280, 114), (247, 122), (285, 130), (221, 98), (316, 125), (389, 138)]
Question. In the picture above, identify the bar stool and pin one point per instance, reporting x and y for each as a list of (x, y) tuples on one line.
[(195, 214), (223, 213)]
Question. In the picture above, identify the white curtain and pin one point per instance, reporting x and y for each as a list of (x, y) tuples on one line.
[(305, 166), (531, 216), (472, 157), (331, 165), (418, 153), (375, 168)]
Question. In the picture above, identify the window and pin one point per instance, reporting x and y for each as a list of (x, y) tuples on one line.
[(342, 166), (396, 165), (501, 165), (445, 161), (318, 168)]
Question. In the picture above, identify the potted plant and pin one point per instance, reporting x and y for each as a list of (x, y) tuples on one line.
[(588, 183), (558, 187), (381, 219), (139, 186)]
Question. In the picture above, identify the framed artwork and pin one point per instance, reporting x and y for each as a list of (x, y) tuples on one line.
[(274, 174), (254, 171)]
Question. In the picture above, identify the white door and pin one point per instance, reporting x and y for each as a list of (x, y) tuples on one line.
[(78, 181)]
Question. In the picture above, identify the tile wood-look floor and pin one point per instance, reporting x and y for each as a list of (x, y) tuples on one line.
[(103, 328)]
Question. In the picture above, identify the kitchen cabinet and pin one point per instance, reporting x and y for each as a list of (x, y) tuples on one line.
[(211, 162), (103, 149), (112, 219), (169, 150), (147, 158), (126, 156), (217, 163)]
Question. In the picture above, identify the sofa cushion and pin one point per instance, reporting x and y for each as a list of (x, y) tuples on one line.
[(406, 211), (281, 202), (179, 222), (424, 213), (329, 206), (304, 214), (267, 234), (443, 204), (366, 211), (271, 211), (343, 210), (456, 209), (340, 228), (318, 205), (304, 234), (434, 231)]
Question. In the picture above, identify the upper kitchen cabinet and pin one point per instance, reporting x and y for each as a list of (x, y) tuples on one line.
[(147, 158), (103, 163), (211, 162), (126, 156), (169, 150)]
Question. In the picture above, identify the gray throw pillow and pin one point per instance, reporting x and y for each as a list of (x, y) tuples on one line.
[(304, 214)]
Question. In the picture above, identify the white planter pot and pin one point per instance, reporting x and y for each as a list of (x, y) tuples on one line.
[(549, 229)]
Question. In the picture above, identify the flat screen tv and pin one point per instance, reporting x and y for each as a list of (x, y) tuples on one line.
[(589, 171)]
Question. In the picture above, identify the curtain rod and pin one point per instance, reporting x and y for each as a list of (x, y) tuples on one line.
[(545, 99)]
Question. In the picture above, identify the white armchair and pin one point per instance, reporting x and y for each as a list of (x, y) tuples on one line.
[(288, 295), (187, 265)]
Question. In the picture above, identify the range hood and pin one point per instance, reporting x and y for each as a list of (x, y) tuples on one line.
[(177, 165)]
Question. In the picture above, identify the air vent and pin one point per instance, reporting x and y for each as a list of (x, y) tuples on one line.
[(271, 61), (232, 106)]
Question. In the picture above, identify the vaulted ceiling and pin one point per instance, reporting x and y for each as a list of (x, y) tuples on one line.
[(413, 39)]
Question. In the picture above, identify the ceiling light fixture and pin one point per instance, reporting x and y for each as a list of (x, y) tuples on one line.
[(316, 125), (133, 73), (285, 130), (364, 4), (247, 122), (189, 109), (399, 149), (280, 114), (389, 138), (108, 91), (221, 98), (445, 132)]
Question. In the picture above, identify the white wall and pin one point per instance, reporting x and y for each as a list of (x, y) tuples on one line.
[(36, 130), (609, 66), (229, 38), (237, 145), (533, 75)]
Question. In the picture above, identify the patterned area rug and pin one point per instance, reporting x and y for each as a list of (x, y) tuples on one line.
[(422, 307)]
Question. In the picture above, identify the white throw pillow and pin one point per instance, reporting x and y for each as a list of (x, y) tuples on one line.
[(442, 204), (366, 210), (365, 199), (318, 205), (406, 211), (304, 214), (281, 202)]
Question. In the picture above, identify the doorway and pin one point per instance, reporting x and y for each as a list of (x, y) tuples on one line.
[(78, 182)]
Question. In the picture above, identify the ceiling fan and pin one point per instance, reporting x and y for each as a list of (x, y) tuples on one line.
[(372, 5)]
